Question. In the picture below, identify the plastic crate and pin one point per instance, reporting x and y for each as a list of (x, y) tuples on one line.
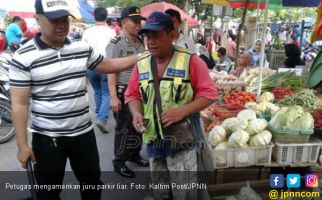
[(241, 157), (290, 135), (225, 111), (266, 117), (297, 153)]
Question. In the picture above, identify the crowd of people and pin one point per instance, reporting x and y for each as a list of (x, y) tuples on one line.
[(48, 77)]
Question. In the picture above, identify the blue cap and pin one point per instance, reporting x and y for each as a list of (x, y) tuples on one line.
[(157, 21)]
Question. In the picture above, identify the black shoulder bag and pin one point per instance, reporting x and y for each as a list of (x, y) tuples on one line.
[(180, 135)]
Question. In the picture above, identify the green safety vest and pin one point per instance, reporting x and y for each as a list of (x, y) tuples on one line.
[(175, 90)]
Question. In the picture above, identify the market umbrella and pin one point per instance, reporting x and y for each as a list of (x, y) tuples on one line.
[(162, 7)]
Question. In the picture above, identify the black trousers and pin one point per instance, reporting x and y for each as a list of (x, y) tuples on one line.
[(51, 157), (127, 142)]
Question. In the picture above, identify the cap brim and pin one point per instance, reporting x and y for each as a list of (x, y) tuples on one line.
[(151, 27), (136, 17), (58, 14)]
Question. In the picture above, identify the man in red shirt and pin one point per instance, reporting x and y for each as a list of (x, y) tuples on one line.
[(183, 72)]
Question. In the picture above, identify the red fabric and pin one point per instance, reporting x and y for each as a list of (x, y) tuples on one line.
[(116, 28), (23, 25), (242, 4), (3, 42), (31, 32), (21, 14), (201, 82)]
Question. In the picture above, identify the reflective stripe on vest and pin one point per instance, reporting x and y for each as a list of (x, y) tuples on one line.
[(175, 90)]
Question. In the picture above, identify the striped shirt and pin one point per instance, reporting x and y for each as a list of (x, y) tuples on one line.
[(57, 80)]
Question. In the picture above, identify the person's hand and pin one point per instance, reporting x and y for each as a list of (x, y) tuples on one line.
[(115, 104), (172, 116), (24, 154), (138, 122)]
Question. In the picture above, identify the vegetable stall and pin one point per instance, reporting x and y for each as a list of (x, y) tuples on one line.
[(282, 131)]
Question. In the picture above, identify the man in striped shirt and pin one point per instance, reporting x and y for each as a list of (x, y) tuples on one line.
[(51, 70)]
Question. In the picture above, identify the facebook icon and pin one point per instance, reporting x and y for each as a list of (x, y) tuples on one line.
[(277, 181)]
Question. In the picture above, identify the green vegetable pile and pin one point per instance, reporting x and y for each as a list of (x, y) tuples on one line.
[(305, 98), (285, 79), (295, 84)]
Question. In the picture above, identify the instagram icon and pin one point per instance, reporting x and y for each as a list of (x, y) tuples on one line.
[(311, 180)]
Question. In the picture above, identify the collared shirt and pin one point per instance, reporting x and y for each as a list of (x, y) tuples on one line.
[(57, 81), (186, 42), (119, 47), (98, 37)]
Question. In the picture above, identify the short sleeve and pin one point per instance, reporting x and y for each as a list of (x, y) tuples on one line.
[(112, 51), (94, 58), (201, 82), (133, 90), (19, 73)]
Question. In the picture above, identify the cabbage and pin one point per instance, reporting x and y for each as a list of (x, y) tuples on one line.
[(216, 135), (261, 139), (285, 117), (248, 115), (226, 123), (222, 146), (266, 97), (237, 125), (307, 121), (279, 114), (256, 126), (304, 122), (221, 156), (242, 156), (238, 139)]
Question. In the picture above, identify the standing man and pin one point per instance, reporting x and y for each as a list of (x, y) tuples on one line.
[(127, 43), (49, 71), (98, 37), (185, 88), (180, 40), (14, 33)]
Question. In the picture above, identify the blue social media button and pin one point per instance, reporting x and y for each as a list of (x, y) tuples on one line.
[(293, 181), (277, 181)]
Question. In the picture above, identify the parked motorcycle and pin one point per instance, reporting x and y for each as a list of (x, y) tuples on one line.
[(6, 125)]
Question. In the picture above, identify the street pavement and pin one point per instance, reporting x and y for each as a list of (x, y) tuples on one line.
[(105, 143)]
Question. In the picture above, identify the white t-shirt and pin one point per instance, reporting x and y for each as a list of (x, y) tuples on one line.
[(98, 37), (186, 42)]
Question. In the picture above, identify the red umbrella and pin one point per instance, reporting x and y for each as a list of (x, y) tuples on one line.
[(162, 7)]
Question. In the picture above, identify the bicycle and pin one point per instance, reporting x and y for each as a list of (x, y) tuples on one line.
[(6, 125)]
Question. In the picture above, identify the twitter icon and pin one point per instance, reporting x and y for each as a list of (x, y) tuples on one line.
[(293, 181)]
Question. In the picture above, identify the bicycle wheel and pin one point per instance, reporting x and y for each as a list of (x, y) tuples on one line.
[(6, 126)]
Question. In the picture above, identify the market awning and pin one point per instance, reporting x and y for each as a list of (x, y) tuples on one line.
[(216, 2)]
